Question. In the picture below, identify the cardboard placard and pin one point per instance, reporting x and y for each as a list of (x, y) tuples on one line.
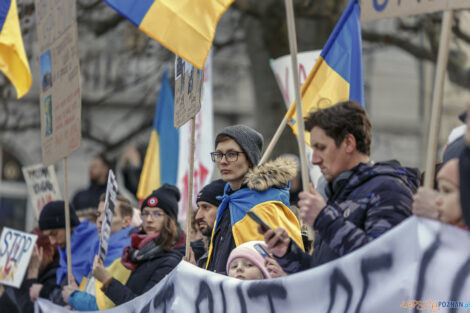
[(60, 93), (16, 248), (188, 91), (42, 185), (378, 9)]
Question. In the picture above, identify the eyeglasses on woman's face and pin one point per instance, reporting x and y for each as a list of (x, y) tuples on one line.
[(231, 156)]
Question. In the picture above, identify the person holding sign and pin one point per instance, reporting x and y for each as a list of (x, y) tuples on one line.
[(364, 199), (153, 252), (120, 237), (263, 189), (83, 236)]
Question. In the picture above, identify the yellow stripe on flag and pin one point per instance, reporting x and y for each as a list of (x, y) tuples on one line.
[(322, 89), (150, 177), (13, 61), (186, 27)]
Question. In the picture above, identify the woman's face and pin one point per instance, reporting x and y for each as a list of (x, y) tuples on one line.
[(448, 201), (153, 219)]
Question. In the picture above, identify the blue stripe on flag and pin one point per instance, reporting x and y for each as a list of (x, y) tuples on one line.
[(4, 8), (134, 10)]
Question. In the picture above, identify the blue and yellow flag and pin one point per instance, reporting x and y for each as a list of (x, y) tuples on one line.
[(186, 27), (13, 61), (337, 74), (161, 158)]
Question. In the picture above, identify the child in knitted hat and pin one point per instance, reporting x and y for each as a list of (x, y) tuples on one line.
[(245, 262)]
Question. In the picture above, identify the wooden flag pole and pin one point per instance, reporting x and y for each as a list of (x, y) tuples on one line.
[(67, 224), (298, 96), (437, 98), (190, 190), (274, 141)]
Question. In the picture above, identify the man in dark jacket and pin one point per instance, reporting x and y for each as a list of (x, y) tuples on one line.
[(90, 198), (364, 199)]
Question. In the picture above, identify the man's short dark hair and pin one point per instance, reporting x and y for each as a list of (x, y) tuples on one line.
[(125, 206), (340, 120)]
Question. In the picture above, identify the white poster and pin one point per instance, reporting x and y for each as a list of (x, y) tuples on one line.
[(203, 166), (282, 68), (377, 9), (420, 265), (42, 185), (16, 248), (109, 205)]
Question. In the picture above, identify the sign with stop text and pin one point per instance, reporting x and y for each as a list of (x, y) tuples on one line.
[(42, 185), (16, 248), (378, 9)]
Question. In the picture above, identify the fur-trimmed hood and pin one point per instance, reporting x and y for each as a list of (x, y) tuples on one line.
[(274, 174)]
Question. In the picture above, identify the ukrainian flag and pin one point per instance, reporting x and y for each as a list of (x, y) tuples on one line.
[(13, 61), (186, 27), (161, 158), (337, 74)]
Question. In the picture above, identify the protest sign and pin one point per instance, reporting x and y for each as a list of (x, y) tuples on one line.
[(15, 251), (378, 9), (188, 87), (427, 272), (203, 165), (60, 95), (42, 185), (282, 68), (109, 205)]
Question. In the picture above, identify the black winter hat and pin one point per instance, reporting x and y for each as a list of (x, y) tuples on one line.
[(249, 140), (210, 192), (53, 216), (166, 198)]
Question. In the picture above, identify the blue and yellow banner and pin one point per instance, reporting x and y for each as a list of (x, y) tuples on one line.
[(13, 61), (337, 74), (186, 27), (161, 159)]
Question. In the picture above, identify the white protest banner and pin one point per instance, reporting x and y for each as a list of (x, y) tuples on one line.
[(419, 265), (188, 85), (42, 185), (377, 9), (282, 68), (203, 166), (109, 205), (15, 251), (60, 96)]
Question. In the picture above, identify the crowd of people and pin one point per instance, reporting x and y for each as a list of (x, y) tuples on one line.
[(356, 202)]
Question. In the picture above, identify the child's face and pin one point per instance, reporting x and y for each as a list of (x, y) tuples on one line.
[(242, 268), (448, 203)]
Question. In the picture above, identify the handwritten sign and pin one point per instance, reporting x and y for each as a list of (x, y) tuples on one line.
[(42, 185), (188, 89), (109, 205), (377, 9), (282, 68), (60, 95), (15, 251), (427, 272)]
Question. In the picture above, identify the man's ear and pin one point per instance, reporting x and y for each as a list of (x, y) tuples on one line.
[(350, 143)]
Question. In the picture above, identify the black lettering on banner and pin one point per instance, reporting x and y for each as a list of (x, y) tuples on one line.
[(370, 265), (146, 308), (338, 278), (241, 298), (428, 255), (224, 301), (205, 293), (270, 290), (459, 281), (164, 296)]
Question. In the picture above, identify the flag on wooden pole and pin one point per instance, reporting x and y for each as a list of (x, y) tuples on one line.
[(337, 74)]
